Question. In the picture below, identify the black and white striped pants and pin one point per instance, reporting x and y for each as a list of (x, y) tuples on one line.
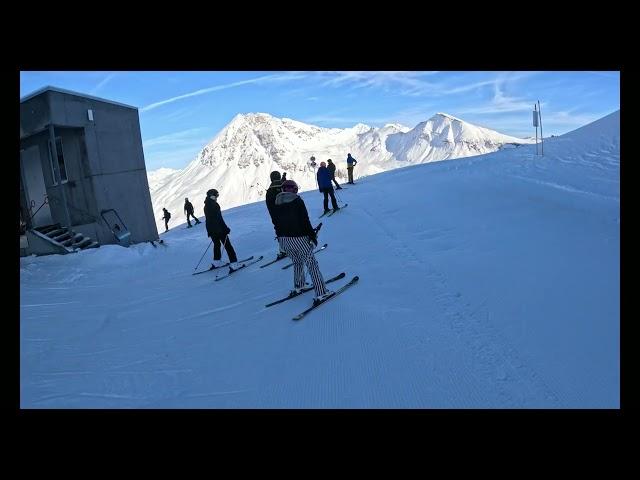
[(300, 250)]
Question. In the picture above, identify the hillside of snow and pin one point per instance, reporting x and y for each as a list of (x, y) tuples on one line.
[(485, 282), (159, 176), (238, 161)]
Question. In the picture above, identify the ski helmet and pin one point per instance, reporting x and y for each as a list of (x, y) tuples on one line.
[(212, 193), (289, 186), (275, 175)]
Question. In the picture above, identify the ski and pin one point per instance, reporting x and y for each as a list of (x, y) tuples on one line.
[(336, 293), (335, 211), (239, 268), (221, 266), (305, 290), (325, 213), (273, 261), (289, 265)]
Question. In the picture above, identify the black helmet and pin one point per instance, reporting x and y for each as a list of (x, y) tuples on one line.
[(212, 193), (275, 175)]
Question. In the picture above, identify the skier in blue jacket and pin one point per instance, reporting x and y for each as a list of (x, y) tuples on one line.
[(326, 187), (351, 162)]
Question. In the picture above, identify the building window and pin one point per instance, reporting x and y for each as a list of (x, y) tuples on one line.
[(61, 165)]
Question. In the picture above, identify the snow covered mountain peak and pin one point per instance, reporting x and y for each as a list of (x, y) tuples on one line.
[(238, 160)]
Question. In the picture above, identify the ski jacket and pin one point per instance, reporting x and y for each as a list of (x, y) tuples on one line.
[(290, 216), (215, 223), (324, 178), (274, 189)]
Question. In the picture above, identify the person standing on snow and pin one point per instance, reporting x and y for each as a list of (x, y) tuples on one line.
[(325, 186), (218, 230), (350, 164), (332, 170), (188, 209), (297, 238), (274, 189), (166, 218)]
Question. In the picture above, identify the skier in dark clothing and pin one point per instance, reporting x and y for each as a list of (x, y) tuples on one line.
[(297, 238), (274, 189), (218, 230), (166, 218), (325, 186), (332, 170), (350, 164), (188, 209)]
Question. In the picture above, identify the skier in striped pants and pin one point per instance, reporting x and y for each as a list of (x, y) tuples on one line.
[(297, 238)]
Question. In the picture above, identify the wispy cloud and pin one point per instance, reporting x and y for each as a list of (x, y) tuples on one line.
[(416, 84), (501, 102), (102, 83), (182, 138), (402, 82), (216, 88)]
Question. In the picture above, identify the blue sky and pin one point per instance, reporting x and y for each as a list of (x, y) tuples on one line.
[(181, 111)]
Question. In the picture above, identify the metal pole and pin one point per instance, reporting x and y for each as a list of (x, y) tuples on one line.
[(535, 109), (540, 119), (56, 168)]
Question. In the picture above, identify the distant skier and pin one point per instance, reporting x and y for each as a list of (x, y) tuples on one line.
[(351, 162), (297, 238), (332, 170), (218, 230), (188, 209), (166, 218), (274, 189), (325, 186)]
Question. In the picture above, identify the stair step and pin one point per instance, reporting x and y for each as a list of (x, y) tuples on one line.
[(47, 228), (84, 243), (64, 237), (56, 233), (73, 240)]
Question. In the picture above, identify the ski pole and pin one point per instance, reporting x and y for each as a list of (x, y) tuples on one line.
[(205, 252), (335, 192), (223, 244)]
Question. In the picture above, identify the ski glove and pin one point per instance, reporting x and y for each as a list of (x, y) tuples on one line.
[(313, 239)]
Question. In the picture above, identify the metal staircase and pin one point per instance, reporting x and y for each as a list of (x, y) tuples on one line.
[(66, 237)]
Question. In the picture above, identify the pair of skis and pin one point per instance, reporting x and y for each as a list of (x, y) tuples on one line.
[(222, 266), (331, 212), (234, 270), (315, 305)]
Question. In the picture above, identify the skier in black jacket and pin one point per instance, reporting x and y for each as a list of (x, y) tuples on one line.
[(166, 218), (218, 230), (297, 238), (188, 209), (332, 170), (274, 189)]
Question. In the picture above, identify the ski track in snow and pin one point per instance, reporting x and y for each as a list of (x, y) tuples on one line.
[(498, 360)]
